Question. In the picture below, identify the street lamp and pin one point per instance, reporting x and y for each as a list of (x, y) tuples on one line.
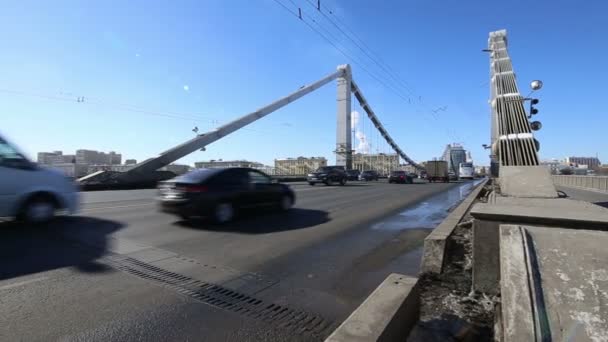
[(536, 85)]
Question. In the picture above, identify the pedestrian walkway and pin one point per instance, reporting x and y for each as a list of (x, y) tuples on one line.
[(596, 197)]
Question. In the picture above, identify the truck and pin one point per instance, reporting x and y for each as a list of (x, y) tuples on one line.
[(437, 170)]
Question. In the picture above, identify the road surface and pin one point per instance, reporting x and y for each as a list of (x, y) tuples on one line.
[(122, 271)]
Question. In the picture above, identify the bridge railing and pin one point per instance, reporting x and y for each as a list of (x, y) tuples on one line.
[(599, 183)]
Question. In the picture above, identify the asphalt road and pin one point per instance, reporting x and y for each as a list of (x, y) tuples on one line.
[(122, 271)]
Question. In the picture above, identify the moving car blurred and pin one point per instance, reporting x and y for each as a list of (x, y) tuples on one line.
[(452, 176), (400, 177), (31, 193), (221, 193), (369, 175), (328, 175), (352, 175)]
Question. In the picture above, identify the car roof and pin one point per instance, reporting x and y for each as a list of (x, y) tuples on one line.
[(199, 175)]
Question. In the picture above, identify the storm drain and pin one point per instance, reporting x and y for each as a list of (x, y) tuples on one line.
[(277, 315)]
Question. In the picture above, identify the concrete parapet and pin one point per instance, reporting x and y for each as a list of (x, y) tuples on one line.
[(388, 314), (595, 183), (526, 182), (435, 243), (554, 283), (517, 315)]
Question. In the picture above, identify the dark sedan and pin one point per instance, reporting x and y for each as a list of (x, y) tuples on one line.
[(352, 175), (221, 193), (369, 176), (400, 177)]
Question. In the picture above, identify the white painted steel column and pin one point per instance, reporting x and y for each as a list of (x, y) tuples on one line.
[(343, 130)]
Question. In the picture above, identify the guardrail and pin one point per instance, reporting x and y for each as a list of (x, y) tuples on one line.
[(597, 183)]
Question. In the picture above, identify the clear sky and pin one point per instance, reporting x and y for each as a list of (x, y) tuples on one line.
[(150, 71)]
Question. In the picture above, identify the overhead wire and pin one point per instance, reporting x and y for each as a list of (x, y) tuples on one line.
[(89, 100), (301, 15), (372, 58)]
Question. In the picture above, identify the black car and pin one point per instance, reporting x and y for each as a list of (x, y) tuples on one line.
[(328, 175), (352, 175), (400, 177), (221, 193), (369, 175)]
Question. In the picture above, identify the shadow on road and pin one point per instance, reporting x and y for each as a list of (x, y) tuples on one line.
[(602, 204), (295, 218), (65, 242)]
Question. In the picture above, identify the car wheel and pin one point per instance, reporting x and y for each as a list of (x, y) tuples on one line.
[(311, 183), (329, 182), (343, 182), (40, 209), (223, 213), (286, 203)]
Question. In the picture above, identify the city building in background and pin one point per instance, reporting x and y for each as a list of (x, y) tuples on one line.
[(55, 157), (590, 162), (178, 169), (381, 163), (408, 168), (107, 167), (92, 157), (215, 164), (454, 154), (71, 170), (83, 162), (130, 162), (554, 165), (298, 166)]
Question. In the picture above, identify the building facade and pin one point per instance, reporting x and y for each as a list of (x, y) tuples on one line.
[(55, 157), (178, 169), (381, 163), (454, 154), (216, 164), (130, 162), (92, 157), (591, 162), (71, 170), (298, 166)]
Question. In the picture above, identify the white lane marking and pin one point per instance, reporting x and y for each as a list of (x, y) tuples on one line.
[(21, 283), (117, 207)]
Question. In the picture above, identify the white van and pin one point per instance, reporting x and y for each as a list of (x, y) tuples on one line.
[(30, 192)]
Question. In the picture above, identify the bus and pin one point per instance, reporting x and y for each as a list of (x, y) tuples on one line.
[(466, 171)]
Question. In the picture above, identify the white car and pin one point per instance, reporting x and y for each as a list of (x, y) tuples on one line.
[(30, 192)]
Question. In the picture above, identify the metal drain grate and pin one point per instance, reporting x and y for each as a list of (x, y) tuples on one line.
[(278, 315)]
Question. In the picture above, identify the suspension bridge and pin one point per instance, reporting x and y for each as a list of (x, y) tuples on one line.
[(346, 88)]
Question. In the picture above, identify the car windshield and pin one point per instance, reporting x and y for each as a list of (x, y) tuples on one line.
[(9, 155), (398, 173), (196, 176), (325, 169)]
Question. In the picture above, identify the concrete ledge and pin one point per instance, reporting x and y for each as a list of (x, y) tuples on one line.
[(559, 212), (516, 302), (388, 314), (526, 181), (435, 243)]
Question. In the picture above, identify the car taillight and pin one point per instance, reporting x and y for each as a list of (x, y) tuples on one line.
[(194, 188), (401, 177)]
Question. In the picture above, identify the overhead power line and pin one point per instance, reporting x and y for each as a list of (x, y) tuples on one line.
[(365, 49), (302, 15), (341, 50)]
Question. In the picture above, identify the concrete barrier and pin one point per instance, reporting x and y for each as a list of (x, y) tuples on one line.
[(435, 243), (595, 183), (388, 314)]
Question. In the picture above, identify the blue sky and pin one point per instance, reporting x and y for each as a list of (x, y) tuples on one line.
[(149, 71)]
